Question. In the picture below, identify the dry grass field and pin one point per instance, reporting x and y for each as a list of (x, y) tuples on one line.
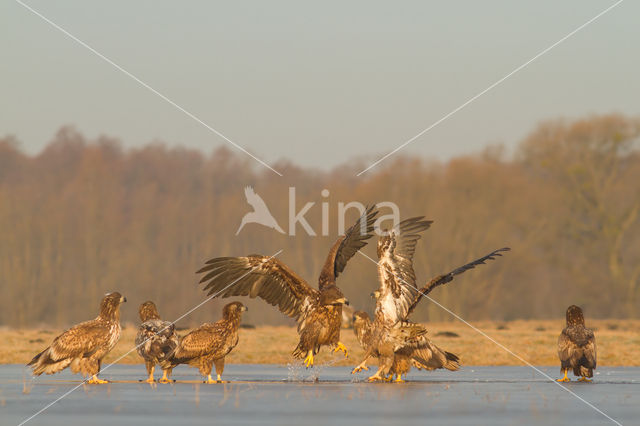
[(618, 343)]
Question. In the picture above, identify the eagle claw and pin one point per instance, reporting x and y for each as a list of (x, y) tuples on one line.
[(95, 381), (308, 361), (341, 347), (359, 369)]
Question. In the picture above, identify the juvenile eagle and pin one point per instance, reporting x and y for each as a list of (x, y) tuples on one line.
[(576, 347), (317, 312), (84, 345), (155, 341), (209, 344), (391, 337)]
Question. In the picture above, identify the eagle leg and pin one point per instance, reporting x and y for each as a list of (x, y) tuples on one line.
[(95, 381), (164, 378), (308, 361), (399, 379), (210, 381), (565, 378), (150, 379), (341, 347), (584, 379), (219, 380)]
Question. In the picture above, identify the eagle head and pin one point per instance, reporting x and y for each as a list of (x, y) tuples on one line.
[(575, 315), (148, 311), (332, 295), (360, 318), (233, 310), (110, 304)]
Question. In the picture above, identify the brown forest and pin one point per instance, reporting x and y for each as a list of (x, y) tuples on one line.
[(85, 217)]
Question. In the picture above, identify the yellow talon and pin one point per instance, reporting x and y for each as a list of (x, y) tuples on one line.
[(95, 381), (209, 380), (565, 378), (164, 378), (150, 380), (359, 369), (399, 379), (341, 347), (374, 379), (308, 361), (584, 379)]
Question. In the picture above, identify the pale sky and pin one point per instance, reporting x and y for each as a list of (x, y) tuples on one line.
[(318, 83)]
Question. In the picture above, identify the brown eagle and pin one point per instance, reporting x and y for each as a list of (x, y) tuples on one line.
[(576, 347), (84, 345), (398, 343), (155, 341), (209, 344), (317, 312)]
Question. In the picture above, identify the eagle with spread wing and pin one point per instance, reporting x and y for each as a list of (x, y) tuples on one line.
[(208, 344), (398, 343), (317, 312), (576, 347), (156, 340), (84, 345)]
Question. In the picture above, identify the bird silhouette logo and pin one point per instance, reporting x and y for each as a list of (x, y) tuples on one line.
[(260, 213)]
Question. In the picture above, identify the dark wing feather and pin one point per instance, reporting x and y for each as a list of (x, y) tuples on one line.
[(346, 246), (258, 276), (589, 350), (395, 268), (443, 279)]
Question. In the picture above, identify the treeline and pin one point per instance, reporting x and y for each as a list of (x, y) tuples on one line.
[(83, 217)]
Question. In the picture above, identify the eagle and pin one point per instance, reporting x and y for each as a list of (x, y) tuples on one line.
[(156, 340), (318, 312), (576, 347), (84, 345), (398, 343), (208, 344)]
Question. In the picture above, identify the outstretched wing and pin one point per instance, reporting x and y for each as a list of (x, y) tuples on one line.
[(258, 276), (353, 240), (443, 279), (395, 269)]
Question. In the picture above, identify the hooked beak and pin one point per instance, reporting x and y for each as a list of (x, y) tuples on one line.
[(345, 301), (123, 299), (372, 294), (244, 309)]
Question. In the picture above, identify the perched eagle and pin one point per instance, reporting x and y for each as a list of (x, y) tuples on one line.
[(398, 343), (317, 312), (156, 340), (576, 347), (209, 344), (84, 345)]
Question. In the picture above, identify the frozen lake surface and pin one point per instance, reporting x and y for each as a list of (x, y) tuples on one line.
[(269, 394)]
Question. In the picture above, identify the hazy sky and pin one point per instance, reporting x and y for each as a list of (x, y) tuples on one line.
[(314, 82)]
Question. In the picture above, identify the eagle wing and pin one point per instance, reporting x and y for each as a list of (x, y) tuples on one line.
[(258, 276), (156, 339), (346, 246), (81, 340), (577, 344), (411, 339), (395, 269), (443, 279)]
